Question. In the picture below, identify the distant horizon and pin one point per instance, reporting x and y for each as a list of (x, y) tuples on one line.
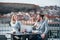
[(36, 2), (30, 3)]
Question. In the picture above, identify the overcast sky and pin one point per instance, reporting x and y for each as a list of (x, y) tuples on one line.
[(37, 2)]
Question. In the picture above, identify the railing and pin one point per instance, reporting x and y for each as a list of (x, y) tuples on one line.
[(54, 30)]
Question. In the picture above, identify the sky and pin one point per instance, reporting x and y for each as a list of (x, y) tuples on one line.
[(36, 2)]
